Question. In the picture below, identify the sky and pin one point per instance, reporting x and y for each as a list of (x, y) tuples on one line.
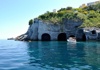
[(15, 14)]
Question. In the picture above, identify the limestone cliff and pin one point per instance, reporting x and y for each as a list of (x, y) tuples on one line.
[(47, 31)]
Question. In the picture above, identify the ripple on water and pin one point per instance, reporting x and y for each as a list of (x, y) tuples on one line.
[(15, 55)]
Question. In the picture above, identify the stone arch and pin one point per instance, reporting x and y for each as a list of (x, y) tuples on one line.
[(62, 37), (46, 37), (80, 35), (83, 37), (93, 31)]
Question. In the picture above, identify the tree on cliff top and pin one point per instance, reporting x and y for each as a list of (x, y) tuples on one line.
[(90, 15), (30, 22), (57, 17)]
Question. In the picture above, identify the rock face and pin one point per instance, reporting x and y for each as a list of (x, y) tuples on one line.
[(92, 33), (47, 31)]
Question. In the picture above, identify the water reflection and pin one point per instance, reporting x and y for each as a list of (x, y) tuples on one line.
[(76, 54), (33, 51), (92, 56), (64, 55)]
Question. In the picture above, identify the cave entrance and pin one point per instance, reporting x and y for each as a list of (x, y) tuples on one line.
[(46, 37), (62, 37), (71, 36), (84, 37), (93, 32)]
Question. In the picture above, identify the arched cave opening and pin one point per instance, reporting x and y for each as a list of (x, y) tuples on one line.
[(46, 37), (93, 31), (84, 37), (62, 37)]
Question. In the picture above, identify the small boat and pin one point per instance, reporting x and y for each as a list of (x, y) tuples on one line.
[(72, 39)]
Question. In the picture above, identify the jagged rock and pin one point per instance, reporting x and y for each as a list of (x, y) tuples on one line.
[(22, 37)]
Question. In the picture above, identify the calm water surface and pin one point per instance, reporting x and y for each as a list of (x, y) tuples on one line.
[(16, 55)]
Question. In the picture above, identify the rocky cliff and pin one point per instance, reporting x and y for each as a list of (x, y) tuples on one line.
[(47, 31)]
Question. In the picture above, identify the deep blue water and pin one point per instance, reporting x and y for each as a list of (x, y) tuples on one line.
[(53, 55)]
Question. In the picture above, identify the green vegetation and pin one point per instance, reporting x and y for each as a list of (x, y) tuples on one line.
[(56, 17), (30, 22), (90, 15), (93, 16)]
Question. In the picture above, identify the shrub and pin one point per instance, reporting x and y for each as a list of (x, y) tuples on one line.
[(30, 22)]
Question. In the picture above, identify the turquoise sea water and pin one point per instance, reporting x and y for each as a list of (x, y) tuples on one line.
[(53, 55)]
